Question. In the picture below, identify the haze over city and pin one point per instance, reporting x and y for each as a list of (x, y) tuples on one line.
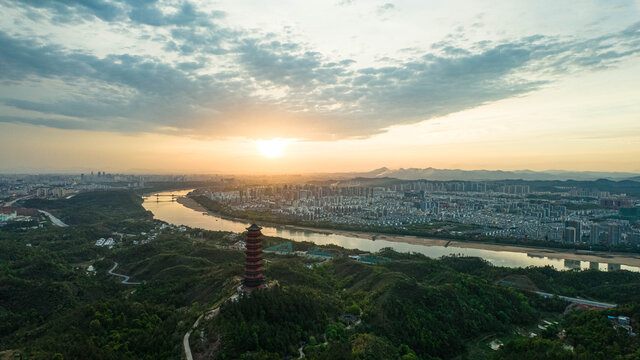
[(323, 86)]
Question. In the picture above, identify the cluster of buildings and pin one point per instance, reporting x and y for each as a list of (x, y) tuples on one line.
[(491, 209), (608, 232), (10, 214), (109, 242), (19, 187), (138, 239), (16, 187), (622, 322)]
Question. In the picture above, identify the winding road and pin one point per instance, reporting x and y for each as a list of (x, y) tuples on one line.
[(126, 278)]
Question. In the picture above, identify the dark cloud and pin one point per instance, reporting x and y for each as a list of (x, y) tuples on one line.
[(73, 11), (232, 75), (57, 123), (147, 12), (367, 100), (145, 93), (144, 12), (286, 64)]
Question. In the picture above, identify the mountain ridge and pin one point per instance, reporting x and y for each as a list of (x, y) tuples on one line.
[(431, 173)]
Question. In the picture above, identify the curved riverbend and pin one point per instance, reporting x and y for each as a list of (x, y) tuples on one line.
[(173, 212)]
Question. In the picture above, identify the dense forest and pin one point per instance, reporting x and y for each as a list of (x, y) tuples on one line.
[(413, 307), (418, 308)]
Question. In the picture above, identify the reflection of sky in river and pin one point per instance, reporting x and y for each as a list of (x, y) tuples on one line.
[(175, 213)]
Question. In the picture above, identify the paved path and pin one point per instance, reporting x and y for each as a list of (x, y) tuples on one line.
[(54, 220), (126, 278), (301, 348), (578, 301), (185, 339)]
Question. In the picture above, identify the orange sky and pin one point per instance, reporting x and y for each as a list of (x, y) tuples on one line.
[(570, 132), (349, 86)]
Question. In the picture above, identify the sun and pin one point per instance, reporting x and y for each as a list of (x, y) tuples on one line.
[(273, 148)]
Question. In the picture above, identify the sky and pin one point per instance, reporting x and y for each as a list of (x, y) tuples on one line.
[(345, 85)]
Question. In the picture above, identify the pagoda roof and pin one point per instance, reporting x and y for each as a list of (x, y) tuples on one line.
[(254, 227)]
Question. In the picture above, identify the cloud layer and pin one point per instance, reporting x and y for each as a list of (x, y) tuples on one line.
[(213, 80)]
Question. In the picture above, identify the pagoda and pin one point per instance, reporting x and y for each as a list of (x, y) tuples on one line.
[(253, 262)]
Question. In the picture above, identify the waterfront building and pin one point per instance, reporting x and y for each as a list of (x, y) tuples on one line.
[(577, 225), (614, 234), (594, 237), (570, 235)]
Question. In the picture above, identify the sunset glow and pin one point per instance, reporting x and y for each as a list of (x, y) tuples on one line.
[(221, 87), (273, 148)]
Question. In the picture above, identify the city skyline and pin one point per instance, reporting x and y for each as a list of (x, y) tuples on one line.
[(289, 87)]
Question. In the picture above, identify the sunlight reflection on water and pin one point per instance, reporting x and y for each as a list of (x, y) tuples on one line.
[(175, 213)]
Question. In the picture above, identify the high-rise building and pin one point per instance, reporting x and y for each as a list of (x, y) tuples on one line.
[(577, 225), (614, 234), (569, 235), (253, 263), (594, 238)]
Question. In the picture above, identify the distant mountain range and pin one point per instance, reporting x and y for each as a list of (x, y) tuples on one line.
[(487, 175)]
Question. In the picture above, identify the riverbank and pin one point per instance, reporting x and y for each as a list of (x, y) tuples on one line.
[(628, 259)]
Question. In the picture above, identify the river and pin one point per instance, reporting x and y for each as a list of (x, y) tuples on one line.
[(163, 208)]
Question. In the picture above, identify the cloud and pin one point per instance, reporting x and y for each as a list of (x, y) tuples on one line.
[(148, 13), (141, 12), (236, 82), (385, 8), (142, 93), (74, 11)]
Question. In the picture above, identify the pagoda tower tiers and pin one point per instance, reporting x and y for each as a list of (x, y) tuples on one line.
[(253, 262)]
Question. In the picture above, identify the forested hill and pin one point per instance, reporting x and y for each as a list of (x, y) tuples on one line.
[(57, 300), (109, 210), (416, 308)]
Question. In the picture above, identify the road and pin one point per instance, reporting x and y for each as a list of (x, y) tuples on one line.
[(126, 278), (10, 203), (54, 220), (578, 301)]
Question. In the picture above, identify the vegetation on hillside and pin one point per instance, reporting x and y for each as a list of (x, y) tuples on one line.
[(413, 307)]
